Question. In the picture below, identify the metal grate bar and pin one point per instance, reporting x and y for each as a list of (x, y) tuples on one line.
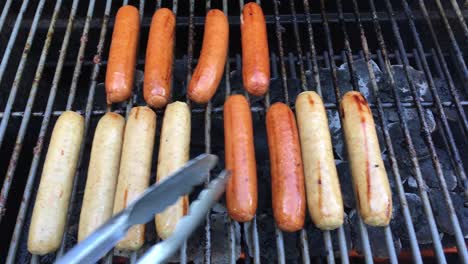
[(453, 145), (456, 49), (19, 72), (388, 141), (362, 228), (460, 17), (463, 254), (5, 8), (38, 149), (417, 170), (12, 39), (207, 256), (27, 113), (448, 76)]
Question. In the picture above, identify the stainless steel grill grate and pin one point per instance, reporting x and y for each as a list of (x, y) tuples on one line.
[(311, 43)]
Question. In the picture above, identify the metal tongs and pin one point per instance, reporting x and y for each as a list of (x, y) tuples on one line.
[(154, 200)]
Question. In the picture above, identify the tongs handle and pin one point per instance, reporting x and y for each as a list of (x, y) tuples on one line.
[(99, 242)]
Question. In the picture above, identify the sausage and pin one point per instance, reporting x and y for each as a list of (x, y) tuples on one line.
[(122, 55), (50, 210), (173, 154), (241, 189), (103, 170), (255, 55), (322, 185), (159, 58), (210, 67), (287, 175), (135, 168), (370, 180)]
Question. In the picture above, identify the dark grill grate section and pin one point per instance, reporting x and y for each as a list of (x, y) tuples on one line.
[(407, 57)]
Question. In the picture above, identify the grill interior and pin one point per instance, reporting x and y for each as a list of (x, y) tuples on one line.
[(54, 59)]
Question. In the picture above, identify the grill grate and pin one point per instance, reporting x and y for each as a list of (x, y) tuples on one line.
[(320, 34)]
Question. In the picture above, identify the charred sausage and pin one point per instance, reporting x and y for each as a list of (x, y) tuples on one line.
[(50, 210), (241, 189), (322, 185), (370, 179), (159, 58), (122, 55), (255, 57), (287, 176), (210, 67), (173, 153), (135, 168), (103, 170)]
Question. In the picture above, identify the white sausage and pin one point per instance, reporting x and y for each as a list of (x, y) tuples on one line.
[(322, 185), (135, 168), (50, 210), (373, 195), (103, 170), (173, 153)]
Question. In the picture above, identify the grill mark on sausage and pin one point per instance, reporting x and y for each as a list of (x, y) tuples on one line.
[(342, 112), (388, 211), (361, 103), (185, 205), (311, 100), (125, 198), (137, 111), (366, 152), (319, 181)]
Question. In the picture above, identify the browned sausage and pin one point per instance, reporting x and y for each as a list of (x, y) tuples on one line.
[(241, 190), (287, 176), (370, 179), (210, 67), (122, 55), (255, 58), (159, 58)]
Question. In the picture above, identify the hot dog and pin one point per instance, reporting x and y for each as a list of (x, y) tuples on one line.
[(287, 176), (159, 58), (255, 57), (173, 153), (371, 186), (103, 170), (135, 168), (210, 67), (122, 55), (322, 185), (50, 210), (241, 189)]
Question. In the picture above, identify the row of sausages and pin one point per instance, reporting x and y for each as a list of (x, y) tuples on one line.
[(159, 56), (301, 156), (302, 162)]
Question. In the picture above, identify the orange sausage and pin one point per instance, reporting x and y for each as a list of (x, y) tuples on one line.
[(210, 68), (159, 58), (122, 55), (241, 191), (255, 58), (287, 175)]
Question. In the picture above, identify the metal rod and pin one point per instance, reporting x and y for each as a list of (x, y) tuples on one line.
[(445, 125), (27, 113), (460, 17), (409, 142), (456, 49), (362, 228), (388, 142), (12, 39), (6, 8), (284, 78), (446, 71), (39, 145), (19, 71), (328, 247), (461, 245)]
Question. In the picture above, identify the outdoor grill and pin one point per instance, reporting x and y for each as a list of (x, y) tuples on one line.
[(405, 56)]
